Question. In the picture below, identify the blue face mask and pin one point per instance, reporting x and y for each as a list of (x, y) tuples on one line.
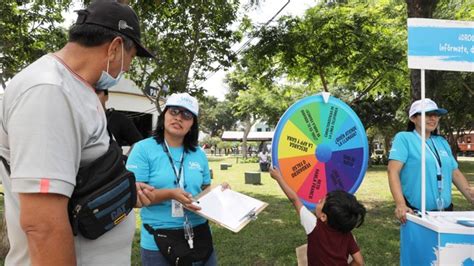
[(106, 80)]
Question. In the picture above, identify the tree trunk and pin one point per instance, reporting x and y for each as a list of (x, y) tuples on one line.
[(387, 144), (248, 126), (371, 149), (2, 82), (419, 9), (453, 142), (415, 81)]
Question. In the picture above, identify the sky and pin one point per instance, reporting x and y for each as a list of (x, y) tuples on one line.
[(215, 85)]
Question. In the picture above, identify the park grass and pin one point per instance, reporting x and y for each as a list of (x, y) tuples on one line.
[(273, 237)]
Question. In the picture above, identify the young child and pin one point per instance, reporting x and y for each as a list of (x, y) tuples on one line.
[(330, 241)]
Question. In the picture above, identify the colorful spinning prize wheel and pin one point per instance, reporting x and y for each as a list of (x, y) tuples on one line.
[(320, 147)]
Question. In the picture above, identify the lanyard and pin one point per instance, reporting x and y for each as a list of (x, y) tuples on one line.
[(435, 155), (439, 176), (178, 173)]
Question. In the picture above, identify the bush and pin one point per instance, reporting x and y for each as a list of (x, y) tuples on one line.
[(249, 160), (4, 245)]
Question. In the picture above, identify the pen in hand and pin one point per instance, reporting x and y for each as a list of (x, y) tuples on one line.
[(195, 201)]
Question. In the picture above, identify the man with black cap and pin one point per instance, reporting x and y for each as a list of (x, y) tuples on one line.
[(51, 124)]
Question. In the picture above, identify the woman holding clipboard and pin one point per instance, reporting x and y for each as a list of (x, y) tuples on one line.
[(178, 169)]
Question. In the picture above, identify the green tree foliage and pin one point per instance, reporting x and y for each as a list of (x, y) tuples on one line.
[(454, 9), (255, 98), (355, 51), (189, 39), (248, 106), (455, 92), (332, 46), (211, 141), (215, 117), (358, 53), (28, 30)]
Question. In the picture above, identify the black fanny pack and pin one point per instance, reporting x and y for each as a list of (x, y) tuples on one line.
[(104, 195), (175, 248)]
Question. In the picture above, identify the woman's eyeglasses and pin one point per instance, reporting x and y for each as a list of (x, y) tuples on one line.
[(185, 114), (428, 114)]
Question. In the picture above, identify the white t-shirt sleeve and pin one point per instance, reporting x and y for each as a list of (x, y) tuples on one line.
[(308, 220), (45, 144)]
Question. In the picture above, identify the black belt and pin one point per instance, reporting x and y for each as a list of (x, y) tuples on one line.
[(447, 209)]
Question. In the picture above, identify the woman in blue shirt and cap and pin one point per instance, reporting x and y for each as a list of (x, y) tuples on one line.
[(177, 168), (404, 167)]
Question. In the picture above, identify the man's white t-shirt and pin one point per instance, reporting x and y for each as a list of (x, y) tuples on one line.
[(51, 124)]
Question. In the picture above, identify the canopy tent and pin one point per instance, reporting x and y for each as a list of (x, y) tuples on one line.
[(428, 40), (441, 237), (252, 136)]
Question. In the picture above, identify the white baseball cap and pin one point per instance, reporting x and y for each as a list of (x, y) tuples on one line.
[(430, 106), (183, 100)]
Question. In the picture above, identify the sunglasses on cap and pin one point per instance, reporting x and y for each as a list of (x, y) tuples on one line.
[(185, 114)]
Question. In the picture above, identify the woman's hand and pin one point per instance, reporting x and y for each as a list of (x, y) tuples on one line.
[(401, 212), (460, 181), (393, 170), (192, 206), (182, 196), (186, 199), (144, 194)]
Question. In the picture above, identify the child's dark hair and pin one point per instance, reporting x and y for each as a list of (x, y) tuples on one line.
[(343, 211)]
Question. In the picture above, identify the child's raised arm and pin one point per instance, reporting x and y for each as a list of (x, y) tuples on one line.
[(290, 194)]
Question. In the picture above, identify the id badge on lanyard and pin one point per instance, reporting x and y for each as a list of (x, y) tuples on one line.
[(177, 209)]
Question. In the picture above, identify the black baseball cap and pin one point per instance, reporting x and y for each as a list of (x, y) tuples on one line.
[(114, 16)]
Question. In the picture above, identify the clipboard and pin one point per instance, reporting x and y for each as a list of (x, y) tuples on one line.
[(230, 209)]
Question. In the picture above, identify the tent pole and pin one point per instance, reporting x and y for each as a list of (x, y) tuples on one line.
[(423, 146)]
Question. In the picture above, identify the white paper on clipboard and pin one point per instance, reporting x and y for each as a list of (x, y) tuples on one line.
[(229, 208)]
